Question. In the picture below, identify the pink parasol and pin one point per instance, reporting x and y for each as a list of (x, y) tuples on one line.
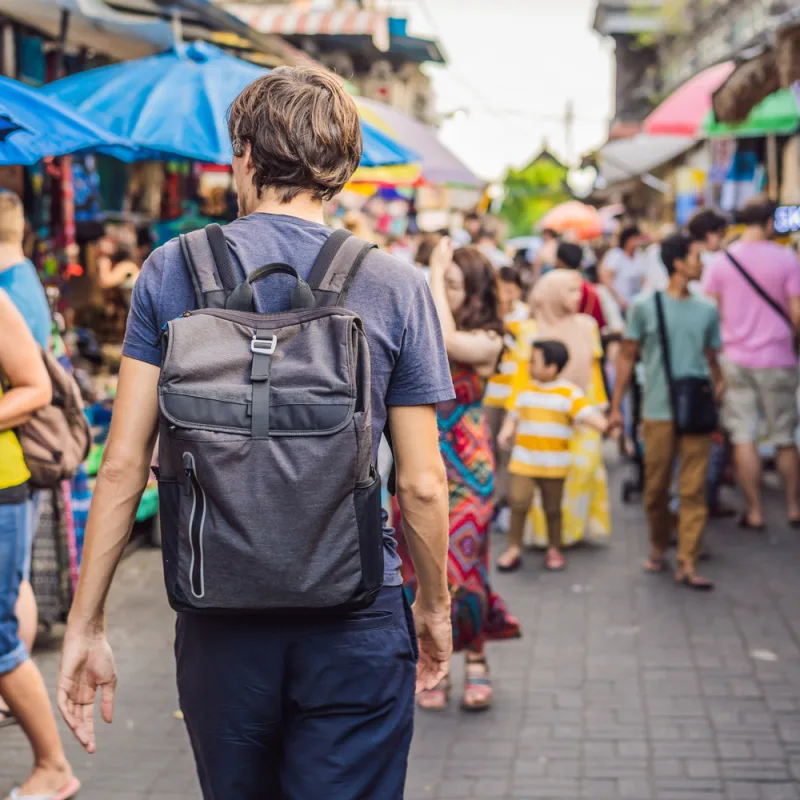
[(578, 218)]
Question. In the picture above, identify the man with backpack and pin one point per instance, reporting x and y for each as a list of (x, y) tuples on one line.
[(268, 358), (756, 284)]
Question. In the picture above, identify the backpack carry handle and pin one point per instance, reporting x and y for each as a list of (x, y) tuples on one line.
[(241, 298)]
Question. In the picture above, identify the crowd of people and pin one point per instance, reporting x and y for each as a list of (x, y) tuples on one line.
[(495, 375)]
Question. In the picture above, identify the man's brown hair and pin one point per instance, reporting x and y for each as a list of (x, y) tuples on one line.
[(303, 131), (758, 210)]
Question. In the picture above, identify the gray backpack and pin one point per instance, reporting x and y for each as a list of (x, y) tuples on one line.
[(269, 497)]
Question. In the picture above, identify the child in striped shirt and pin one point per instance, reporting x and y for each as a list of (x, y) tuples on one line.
[(540, 425)]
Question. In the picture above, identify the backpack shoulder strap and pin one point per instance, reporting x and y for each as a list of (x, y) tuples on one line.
[(210, 265), (336, 266)]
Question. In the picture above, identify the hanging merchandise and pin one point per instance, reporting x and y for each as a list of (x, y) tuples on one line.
[(689, 184), (745, 179)]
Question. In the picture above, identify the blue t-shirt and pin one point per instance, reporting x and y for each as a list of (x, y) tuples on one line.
[(409, 363), (21, 283)]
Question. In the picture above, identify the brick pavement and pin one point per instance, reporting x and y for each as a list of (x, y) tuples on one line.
[(623, 687)]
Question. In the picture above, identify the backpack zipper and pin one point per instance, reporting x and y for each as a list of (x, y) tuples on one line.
[(197, 519)]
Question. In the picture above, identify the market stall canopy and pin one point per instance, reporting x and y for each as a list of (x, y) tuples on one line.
[(575, 217), (683, 112), (33, 126), (127, 29), (622, 159), (438, 164), (174, 105), (287, 21), (777, 114)]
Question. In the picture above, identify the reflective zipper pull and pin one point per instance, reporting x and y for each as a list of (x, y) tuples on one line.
[(188, 468)]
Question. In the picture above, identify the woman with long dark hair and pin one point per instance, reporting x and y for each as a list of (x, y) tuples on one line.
[(464, 291)]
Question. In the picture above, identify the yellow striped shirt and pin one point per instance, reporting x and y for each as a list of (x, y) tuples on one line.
[(500, 386), (545, 415)]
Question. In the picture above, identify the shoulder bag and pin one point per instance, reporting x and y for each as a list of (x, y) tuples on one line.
[(694, 410), (766, 298)]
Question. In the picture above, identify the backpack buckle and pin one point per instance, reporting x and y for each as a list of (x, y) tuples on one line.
[(264, 347)]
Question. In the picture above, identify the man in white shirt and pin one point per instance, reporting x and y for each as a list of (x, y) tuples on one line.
[(622, 271)]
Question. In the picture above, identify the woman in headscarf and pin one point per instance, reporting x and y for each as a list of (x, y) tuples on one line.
[(554, 313)]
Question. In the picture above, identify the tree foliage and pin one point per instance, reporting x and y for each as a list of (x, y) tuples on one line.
[(531, 192)]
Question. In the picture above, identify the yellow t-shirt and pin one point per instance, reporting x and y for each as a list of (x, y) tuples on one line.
[(545, 414), (500, 386), (13, 471)]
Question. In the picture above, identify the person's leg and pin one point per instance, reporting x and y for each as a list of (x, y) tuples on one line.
[(21, 682), (520, 497), (350, 704), (778, 389), (789, 468), (230, 674), (552, 490), (741, 417), (659, 457), (693, 460), (26, 611)]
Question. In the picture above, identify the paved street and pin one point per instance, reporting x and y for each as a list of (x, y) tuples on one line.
[(624, 687)]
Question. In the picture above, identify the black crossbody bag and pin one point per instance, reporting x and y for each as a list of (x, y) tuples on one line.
[(766, 298), (694, 410)]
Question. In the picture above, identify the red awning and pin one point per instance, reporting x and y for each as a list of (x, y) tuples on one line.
[(683, 112), (282, 21)]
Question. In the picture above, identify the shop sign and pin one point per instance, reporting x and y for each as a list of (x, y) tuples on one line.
[(787, 219)]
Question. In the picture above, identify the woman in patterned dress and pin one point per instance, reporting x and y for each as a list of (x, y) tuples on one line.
[(463, 289)]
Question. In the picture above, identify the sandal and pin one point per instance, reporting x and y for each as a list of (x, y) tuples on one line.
[(656, 566), (691, 580), (435, 699), (67, 793), (554, 562), (512, 565), (7, 718), (745, 523), (478, 692)]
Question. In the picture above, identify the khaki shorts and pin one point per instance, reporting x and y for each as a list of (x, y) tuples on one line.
[(752, 394)]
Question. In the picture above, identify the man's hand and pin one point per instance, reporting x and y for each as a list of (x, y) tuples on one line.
[(719, 391), (616, 422), (86, 664), (435, 634)]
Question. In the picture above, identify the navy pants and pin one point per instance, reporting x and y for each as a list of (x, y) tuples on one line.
[(300, 708)]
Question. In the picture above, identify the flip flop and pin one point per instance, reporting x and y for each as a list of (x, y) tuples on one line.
[(511, 566), (441, 692), (7, 718), (67, 793), (656, 566), (691, 581), (555, 563), (747, 525)]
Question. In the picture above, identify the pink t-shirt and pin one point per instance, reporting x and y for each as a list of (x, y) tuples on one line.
[(753, 335)]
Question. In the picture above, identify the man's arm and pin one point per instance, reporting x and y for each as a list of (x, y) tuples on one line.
[(423, 496), (21, 362), (86, 660), (629, 352), (794, 312), (716, 373)]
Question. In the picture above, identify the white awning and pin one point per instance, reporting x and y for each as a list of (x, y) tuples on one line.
[(622, 159), (283, 21), (93, 24)]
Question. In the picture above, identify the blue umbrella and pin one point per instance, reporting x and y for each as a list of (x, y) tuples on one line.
[(33, 126), (174, 104)]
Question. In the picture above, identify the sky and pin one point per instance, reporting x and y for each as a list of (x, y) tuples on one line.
[(512, 67)]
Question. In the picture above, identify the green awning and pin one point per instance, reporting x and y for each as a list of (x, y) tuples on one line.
[(776, 114)]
